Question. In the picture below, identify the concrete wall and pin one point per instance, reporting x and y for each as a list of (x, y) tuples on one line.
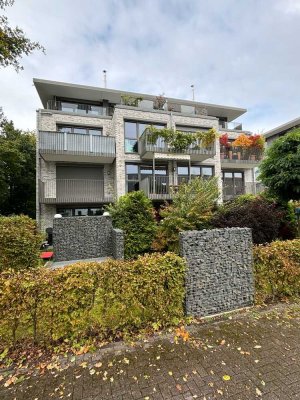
[(219, 276), (78, 238)]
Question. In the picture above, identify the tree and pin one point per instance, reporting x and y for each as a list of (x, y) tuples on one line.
[(191, 209), (13, 42), (17, 170), (280, 169), (133, 213)]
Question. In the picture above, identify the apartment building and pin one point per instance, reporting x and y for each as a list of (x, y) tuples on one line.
[(281, 130), (93, 147)]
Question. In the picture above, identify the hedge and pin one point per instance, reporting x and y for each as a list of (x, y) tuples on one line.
[(19, 243), (91, 299), (277, 270)]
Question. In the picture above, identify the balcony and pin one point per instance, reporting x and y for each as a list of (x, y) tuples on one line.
[(92, 110), (230, 126), (232, 191), (64, 146), (159, 188), (195, 152), (73, 191), (240, 157)]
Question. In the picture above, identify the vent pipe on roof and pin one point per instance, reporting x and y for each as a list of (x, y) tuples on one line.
[(193, 92), (104, 78)]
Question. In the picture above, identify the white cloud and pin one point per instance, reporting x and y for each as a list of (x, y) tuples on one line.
[(240, 53)]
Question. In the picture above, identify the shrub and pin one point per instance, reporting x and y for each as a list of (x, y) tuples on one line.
[(277, 269), (133, 213), (19, 243), (91, 299), (191, 209), (264, 216)]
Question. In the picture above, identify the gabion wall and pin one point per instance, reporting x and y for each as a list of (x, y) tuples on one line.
[(78, 238), (220, 270)]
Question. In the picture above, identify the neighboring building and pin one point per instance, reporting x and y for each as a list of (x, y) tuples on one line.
[(281, 130), (91, 149)]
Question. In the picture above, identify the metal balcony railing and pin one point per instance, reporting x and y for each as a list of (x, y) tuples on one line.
[(232, 191), (73, 191), (76, 144), (76, 108), (240, 154), (157, 187), (235, 126), (146, 145)]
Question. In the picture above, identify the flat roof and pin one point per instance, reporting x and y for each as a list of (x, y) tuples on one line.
[(282, 128), (48, 89)]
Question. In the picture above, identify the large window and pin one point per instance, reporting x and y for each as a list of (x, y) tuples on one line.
[(133, 130), (137, 174), (83, 130), (205, 172), (233, 182)]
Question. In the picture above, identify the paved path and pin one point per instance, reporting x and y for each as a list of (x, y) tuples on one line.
[(255, 355)]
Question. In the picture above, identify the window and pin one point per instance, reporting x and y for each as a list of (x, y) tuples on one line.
[(196, 170), (133, 130), (81, 130), (135, 174), (80, 212), (233, 182)]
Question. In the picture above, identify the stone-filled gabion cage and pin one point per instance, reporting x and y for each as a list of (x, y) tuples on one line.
[(220, 270)]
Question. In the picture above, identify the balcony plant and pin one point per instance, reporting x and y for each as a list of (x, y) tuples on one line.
[(240, 145), (159, 102), (225, 145), (181, 141), (132, 101)]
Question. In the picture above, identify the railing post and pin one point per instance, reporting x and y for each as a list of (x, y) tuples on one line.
[(65, 141), (91, 143)]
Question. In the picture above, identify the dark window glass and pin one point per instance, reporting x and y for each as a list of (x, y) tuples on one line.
[(196, 171), (207, 172), (131, 145), (80, 130), (132, 186), (183, 170)]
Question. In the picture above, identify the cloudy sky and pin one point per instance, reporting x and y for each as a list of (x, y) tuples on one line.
[(242, 53)]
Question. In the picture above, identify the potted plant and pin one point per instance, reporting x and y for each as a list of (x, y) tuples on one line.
[(159, 102), (224, 143), (257, 144), (241, 143)]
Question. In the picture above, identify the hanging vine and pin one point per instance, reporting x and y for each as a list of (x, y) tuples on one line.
[(180, 141)]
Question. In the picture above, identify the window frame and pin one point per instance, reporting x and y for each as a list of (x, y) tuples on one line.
[(88, 129), (138, 134)]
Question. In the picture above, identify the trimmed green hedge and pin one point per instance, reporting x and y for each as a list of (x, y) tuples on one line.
[(91, 299), (19, 243), (277, 270)]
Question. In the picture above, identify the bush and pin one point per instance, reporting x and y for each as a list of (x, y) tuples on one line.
[(265, 217), (133, 213), (19, 243), (191, 209), (90, 299), (277, 270)]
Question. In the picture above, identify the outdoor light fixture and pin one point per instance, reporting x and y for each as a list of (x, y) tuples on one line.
[(57, 216)]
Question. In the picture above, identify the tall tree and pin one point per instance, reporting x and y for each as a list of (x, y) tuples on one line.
[(280, 169), (17, 170), (13, 42)]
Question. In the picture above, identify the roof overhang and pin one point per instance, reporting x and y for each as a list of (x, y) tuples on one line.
[(47, 90), (282, 128)]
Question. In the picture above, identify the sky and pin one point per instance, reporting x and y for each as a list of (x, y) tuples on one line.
[(242, 53)]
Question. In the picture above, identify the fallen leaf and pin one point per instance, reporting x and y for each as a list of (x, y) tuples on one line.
[(92, 371), (170, 373), (258, 392), (98, 365), (226, 378), (178, 387)]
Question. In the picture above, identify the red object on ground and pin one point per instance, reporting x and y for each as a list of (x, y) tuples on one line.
[(46, 255)]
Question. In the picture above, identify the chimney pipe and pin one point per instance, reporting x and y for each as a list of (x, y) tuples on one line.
[(104, 78), (193, 92)]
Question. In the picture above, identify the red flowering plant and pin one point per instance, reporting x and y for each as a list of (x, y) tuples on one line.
[(257, 141), (224, 141)]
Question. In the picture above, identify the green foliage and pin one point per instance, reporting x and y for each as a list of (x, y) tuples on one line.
[(19, 243), (180, 141), (264, 216), (90, 299), (17, 170), (277, 270), (191, 209), (132, 101), (280, 169), (133, 213), (13, 42)]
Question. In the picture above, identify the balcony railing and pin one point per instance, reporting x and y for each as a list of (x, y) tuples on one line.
[(146, 145), (235, 126), (158, 188), (73, 191), (241, 155), (76, 144), (79, 108), (232, 191)]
